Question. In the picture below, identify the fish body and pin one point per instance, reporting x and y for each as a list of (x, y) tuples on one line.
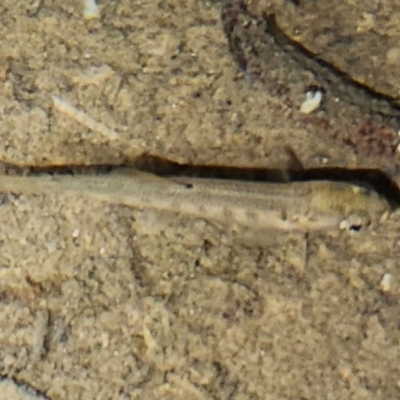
[(294, 206)]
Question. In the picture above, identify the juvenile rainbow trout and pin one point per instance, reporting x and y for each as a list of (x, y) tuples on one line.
[(296, 206)]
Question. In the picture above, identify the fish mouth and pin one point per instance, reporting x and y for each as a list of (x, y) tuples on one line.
[(354, 223), (358, 222)]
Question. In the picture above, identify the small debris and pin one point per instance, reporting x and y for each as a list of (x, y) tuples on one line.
[(64, 107), (91, 10), (385, 282), (81, 117), (312, 102), (398, 136)]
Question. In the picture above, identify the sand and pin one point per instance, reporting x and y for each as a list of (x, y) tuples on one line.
[(102, 301)]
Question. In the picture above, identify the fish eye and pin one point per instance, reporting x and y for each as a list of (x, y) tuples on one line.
[(361, 190), (365, 190)]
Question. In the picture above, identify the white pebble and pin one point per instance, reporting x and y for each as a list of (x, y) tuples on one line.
[(312, 102), (91, 10), (385, 282)]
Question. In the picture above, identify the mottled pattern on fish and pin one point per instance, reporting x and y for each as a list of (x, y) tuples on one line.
[(296, 206)]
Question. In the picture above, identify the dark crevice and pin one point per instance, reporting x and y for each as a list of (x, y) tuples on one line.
[(251, 36), (380, 181), (380, 104), (26, 388)]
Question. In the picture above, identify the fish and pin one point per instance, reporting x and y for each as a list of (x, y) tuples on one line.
[(290, 206)]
